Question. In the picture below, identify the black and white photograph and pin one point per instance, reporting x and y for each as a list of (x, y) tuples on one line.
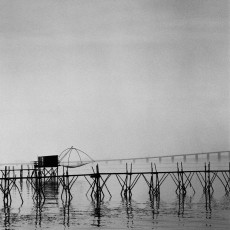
[(114, 114)]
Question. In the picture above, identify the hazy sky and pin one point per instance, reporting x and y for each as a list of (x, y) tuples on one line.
[(114, 78)]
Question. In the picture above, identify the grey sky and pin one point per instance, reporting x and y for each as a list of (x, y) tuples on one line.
[(113, 78)]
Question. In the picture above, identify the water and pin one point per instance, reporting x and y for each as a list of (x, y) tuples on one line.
[(139, 212)]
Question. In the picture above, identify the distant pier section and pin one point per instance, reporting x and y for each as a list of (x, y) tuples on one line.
[(173, 157), (197, 156)]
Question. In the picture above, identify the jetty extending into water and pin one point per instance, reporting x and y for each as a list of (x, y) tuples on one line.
[(39, 176)]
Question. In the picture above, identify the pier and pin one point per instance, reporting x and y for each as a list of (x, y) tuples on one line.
[(98, 189), (56, 169)]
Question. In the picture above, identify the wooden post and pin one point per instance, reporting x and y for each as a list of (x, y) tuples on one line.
[(130, 180), (57, 174), (13, 172), (98, 186), (209, 179), (126, 179), (21, 172), (182, 180), (5, 200), (228, 177), (151, 181), (179, 182), (28, 171), (205, 178), (157, 188)]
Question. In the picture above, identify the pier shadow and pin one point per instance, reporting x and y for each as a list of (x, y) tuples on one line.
[(49, 197), (45, 192), (51, 192)]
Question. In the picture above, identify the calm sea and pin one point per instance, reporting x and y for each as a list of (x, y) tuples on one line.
[(138, 212)]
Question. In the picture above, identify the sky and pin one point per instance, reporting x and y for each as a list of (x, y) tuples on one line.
[(113, 78)]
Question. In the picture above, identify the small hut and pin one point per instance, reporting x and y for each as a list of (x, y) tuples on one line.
[(48, 161)]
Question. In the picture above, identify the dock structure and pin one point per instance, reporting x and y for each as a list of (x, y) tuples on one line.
[(56, 169), (183, 179)]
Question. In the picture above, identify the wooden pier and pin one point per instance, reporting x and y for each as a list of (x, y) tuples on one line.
[(183, 179)]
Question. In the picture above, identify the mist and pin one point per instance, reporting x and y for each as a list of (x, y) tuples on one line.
[(113, 78)]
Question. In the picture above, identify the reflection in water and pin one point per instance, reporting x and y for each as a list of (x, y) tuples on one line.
[(100, 210), (97, 212), (38, 216), (155, 205), (205, 202), (207, 199), (208, 202), (125, 213), (49, 196), (127, 204), (130, 211), (66, 212), (181, 201), (7, 201), (7, 219)]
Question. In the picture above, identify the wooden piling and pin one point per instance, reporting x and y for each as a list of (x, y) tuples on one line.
[(127, 180), (21, 172)]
